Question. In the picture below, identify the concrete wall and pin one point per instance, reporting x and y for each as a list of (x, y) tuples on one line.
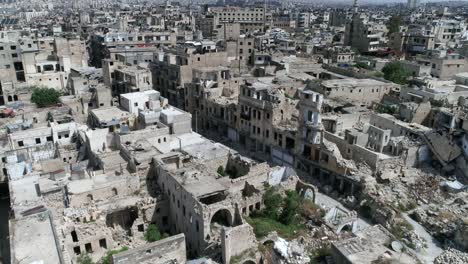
[(354, 152), (237, 240), (125, 186), (184, 211), (31, 137)]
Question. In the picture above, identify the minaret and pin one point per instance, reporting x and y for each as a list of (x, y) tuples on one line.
[(355, 7)]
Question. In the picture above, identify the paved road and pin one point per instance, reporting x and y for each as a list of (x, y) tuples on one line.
[(426, 255)]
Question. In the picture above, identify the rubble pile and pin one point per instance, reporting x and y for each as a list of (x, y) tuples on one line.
[(452, 256), (444, 219), (292, 252)]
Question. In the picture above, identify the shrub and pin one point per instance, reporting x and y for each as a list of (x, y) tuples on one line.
[(107, 258), (84, 259), (221, 171), (310, 210), (152, 233), (291, 207), (263, 226), (232, 172), (45, 96), (395, 72), (273, 202)]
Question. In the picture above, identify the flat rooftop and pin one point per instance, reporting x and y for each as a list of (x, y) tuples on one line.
[(351, 83), (105, 114), (147, 93), (97, 182), (33, 240), (198, 182)]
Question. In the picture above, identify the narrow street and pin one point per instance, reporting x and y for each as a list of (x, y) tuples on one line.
[(426, 255)]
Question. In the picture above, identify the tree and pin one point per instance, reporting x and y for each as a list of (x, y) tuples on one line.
[(44, 96), (394, 24), (395, 72), (221, 171), (273, 201), (85, 259), (152, 233), (291, 207)]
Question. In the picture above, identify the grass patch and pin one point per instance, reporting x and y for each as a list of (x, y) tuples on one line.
[(401, 228), (263, 226), (107, 258)]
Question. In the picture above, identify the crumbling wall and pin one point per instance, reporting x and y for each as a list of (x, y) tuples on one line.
[(421, 113), (169, 250), (354, 152), (91, 238), (237, 240), (122, 187)]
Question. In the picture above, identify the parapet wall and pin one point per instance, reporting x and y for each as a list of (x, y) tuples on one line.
[(169, 250)]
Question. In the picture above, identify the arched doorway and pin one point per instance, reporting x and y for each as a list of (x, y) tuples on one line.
[(222, 217), (348, 227), (15, 97), (249, 262), (306, 190)]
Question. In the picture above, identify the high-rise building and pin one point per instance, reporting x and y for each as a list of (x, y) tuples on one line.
[(412, 4)]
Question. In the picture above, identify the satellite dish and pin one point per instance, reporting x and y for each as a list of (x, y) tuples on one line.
[(397, 246)]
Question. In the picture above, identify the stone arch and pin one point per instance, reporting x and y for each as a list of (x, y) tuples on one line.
[(268, 242), (345, 227), (249, 261), (223, 217), (302, 188)]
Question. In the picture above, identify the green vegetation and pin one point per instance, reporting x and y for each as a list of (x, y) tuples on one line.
[(395, 72), (319, 255), (400, 228), (43, 96), (385, 109), (221, 171), (273, 201), (394, 24), (153, 234), (84, 259), (107, 258), (233, 172), (264, 225), (436, 103), (363, 65), (310, 210), (230, 171), (291, 208), (408, 206), (281, 214), (377, 74)]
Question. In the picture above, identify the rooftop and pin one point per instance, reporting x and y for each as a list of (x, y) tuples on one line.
[(34, 240), (109, 113), (352, 82)]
